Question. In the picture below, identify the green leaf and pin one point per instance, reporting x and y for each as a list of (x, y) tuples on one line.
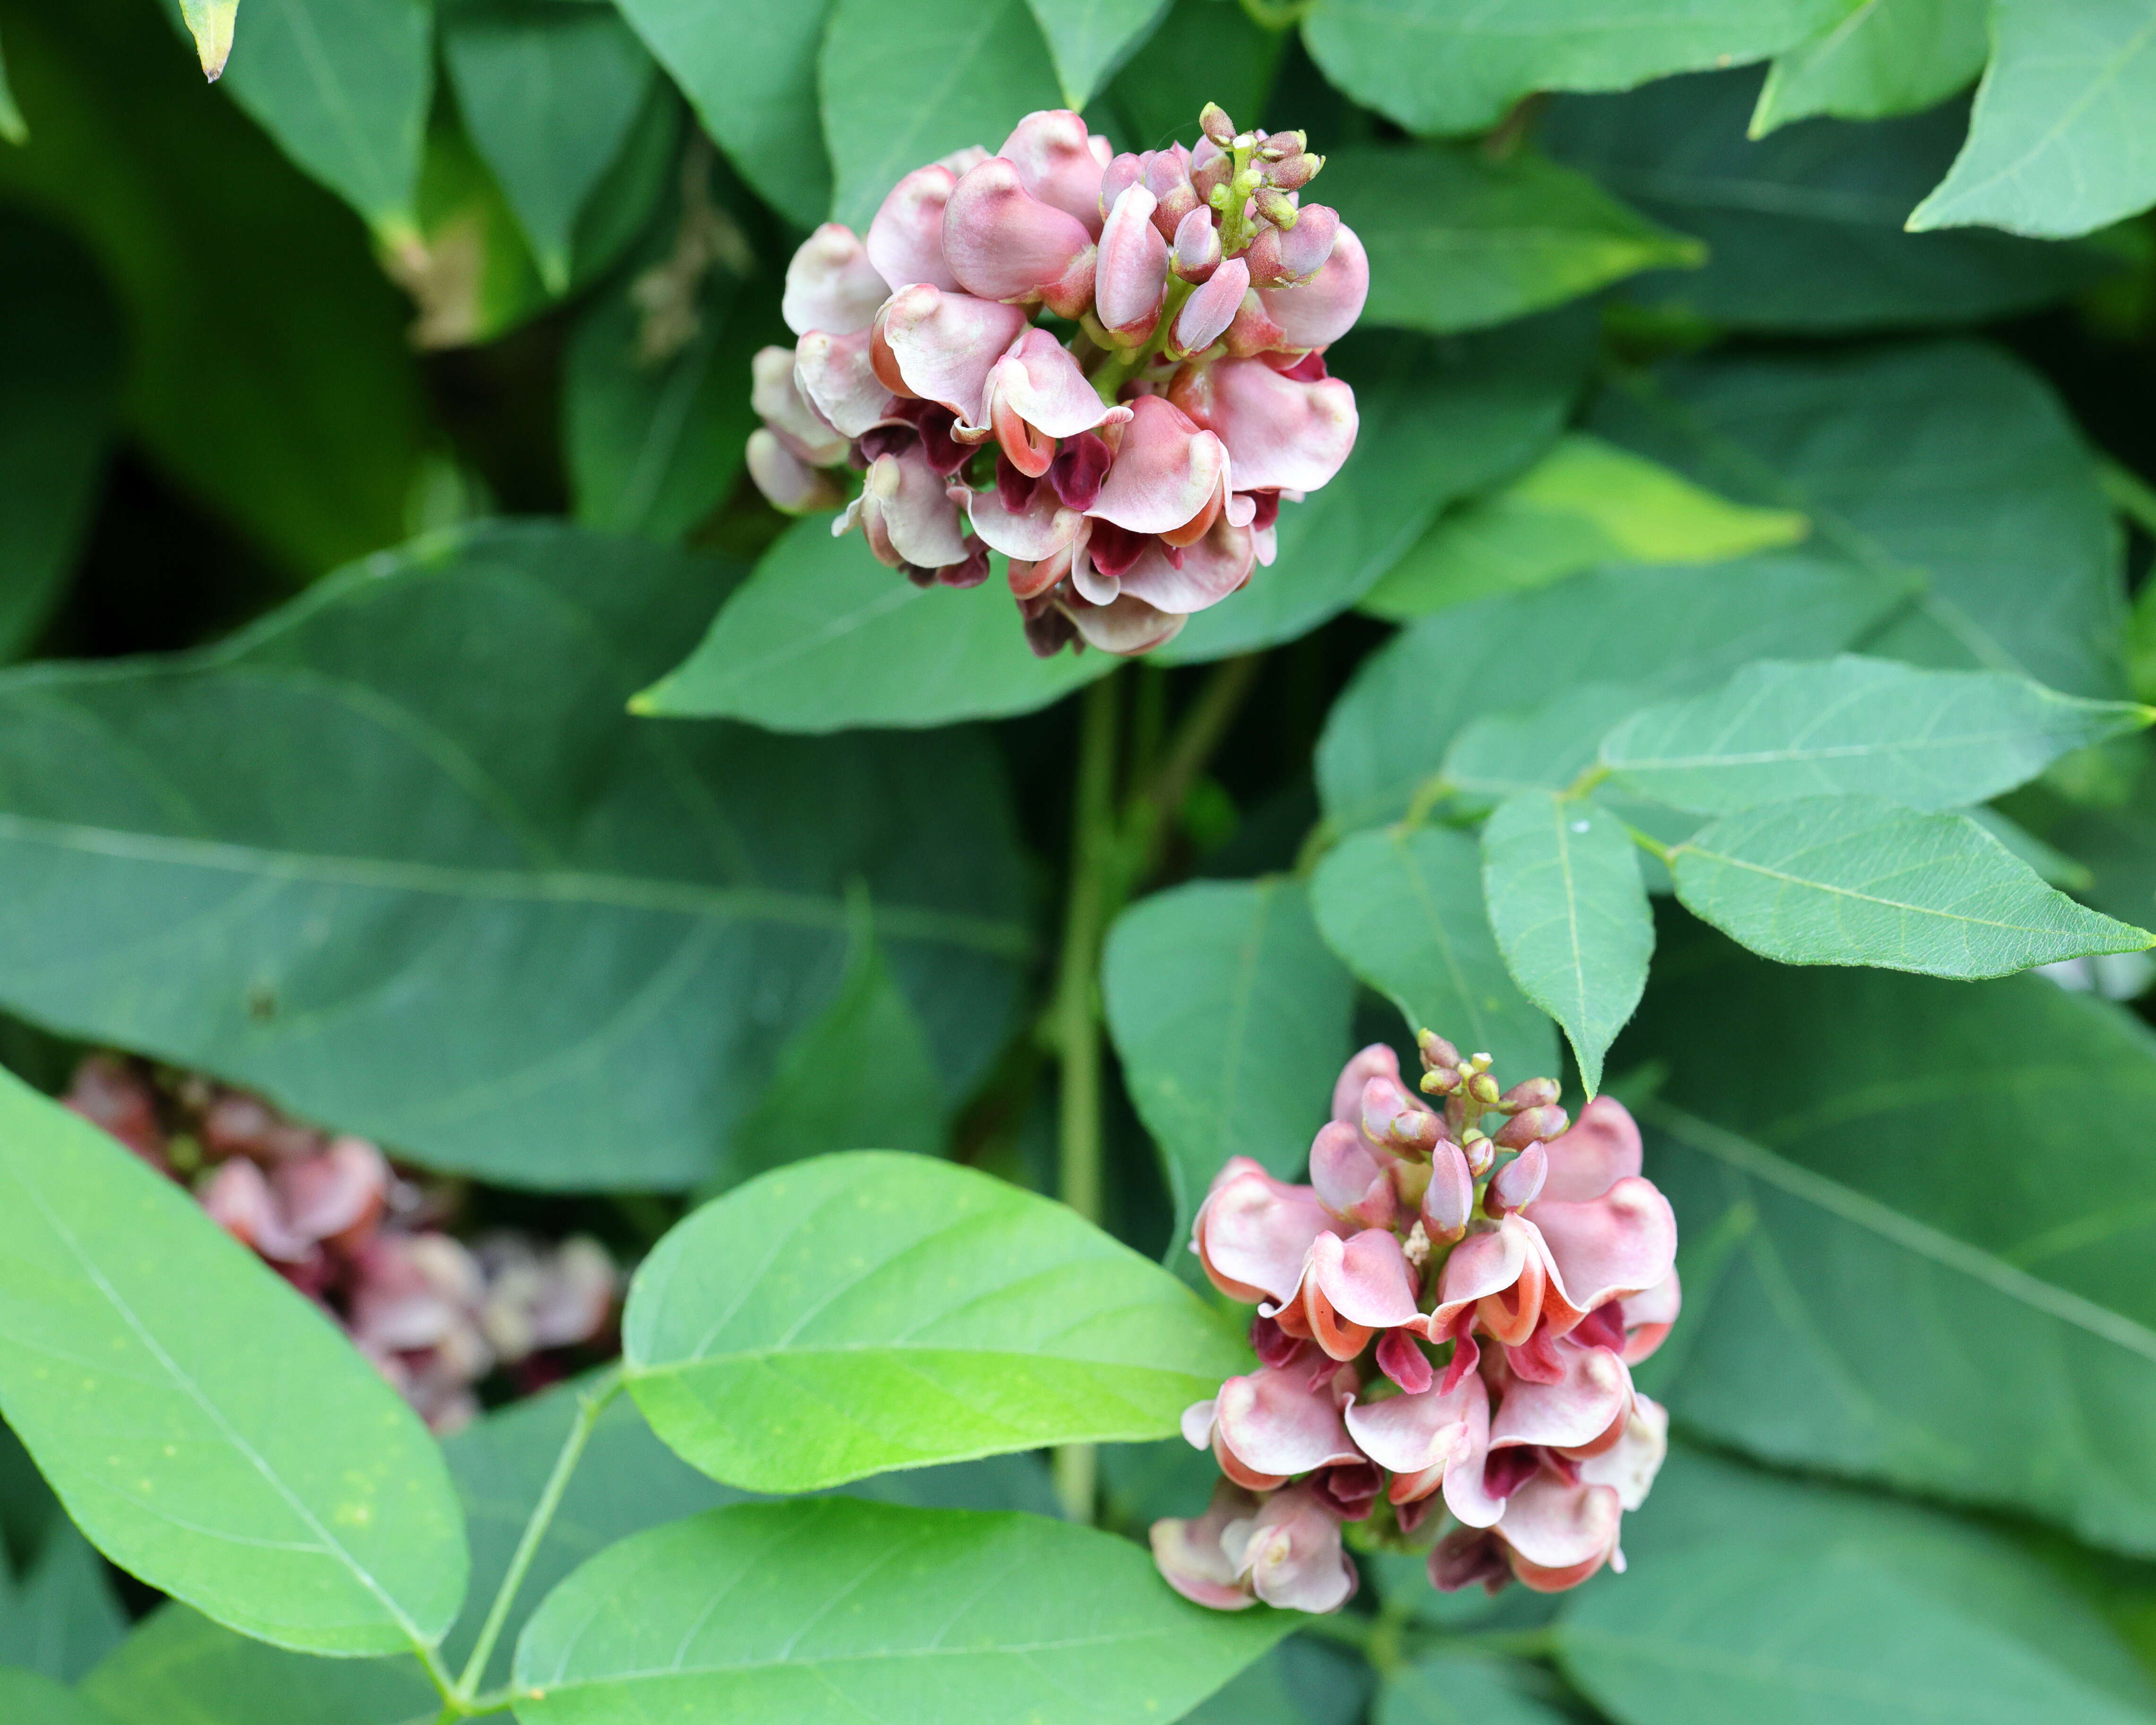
[(27, 1698), (2055, 142), (1803, 229), (210, 22), (1925, 739), (406, 863), (904, 84), (1404, 910), (867, 1310), (1571, 916), (1202, 51), (1089, 38), (1231, 1019), (823, 1613), (1886, 57), (1538, 748), (1441, 66), (1457, 241), (749, 69), (270, 377), (343, 86), (823, 637), (1784, 1603), (549, 93), (1440, 419), (13, 128), (59, 1614), (1584, 504), (1461, 1689), (178, 1668), (1673, 630), (1858, 880), (60, 347), (1946, 466), (174, 1450)]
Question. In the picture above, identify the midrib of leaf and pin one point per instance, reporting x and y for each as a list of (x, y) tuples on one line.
[(1856, 1208), (1420, 886), (1013, 1650)]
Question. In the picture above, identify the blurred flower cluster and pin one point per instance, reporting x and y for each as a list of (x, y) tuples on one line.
[(366, 1242), (1129, 453), (1438, 1320)]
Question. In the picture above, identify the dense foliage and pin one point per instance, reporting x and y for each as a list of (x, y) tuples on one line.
[(622, 1105)]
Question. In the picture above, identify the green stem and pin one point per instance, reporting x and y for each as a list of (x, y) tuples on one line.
[(1153, 812), (1125, 363), (590, 1404), (2130, 494)]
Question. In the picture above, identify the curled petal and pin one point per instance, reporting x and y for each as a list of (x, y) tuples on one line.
[(1602, 1148), (1352, 1288), (1469, 1556), (1396, 1121), (1037, 387), (1033, 534), (1468, 1489), (1207, 313), (1559, 1534), (239, 1200), (1122, 172), (1281, 433), (1406, 1365), (1253, 331), (1594, 1395), (1647, 1316), (787, 481), (1210, 569), (1190, 1553), (1629, 1466), (941, 347), (336, 1196), (1059, 163), (1377, 1060), (1276, 1423), (837, 376), (906, 239), (1129, 278), (1609, 1248), (831, 285), (1320, 310), (907, 513), (1291, 1553), (780, 404), (1252, 1232), (1347, 1177), (1410, 1434), (1003, 242), (1501, 1275), (1166, 470), (1125, 625)]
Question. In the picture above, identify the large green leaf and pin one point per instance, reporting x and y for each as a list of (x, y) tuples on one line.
[(59, 1614), (1925, 739), (280, 1485), (549, 92), (269, 372), (823, 637), (1570, 913), (27, 1698), (1089, 38), (1584, 504), (60, 352), (903, 85), (1440, 419), (1456, 66), (1404, 910), (1781, 1603), (1669, 631), (1803, 230), (1886, 57), (2056, 145), (1856, 879), (825, 1613), (343, 86), (1946, 464), (1202, 51), (1463, 1689), (1539, 748), (1457, 241), (749, 69), (866, 1311), (403, 861), (1887, 1274), (1232, 1021)]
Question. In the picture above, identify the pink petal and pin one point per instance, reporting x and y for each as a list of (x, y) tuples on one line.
[(1129, 277), (1629, 1469), (1166, 470), (1197, 1423), (1608, 1248), (1253, 1233), (1322, 310), (1037, 531), (943, 346), (838, 377), (1647, 1316), (962, 161), (1377, 1060), (330, 1195), (1190, 1553), (238, 1200), (1602, 1148), (1467, 1492), (1038, 380), (1281, 433), (1407, 1434), (1002, 243), (1519, 1181), (1122, 172), (787, 481), (1197, 248), (1347, 1177), (1210, 570), (1059, 163), (1500, 1274), (918, 515), (1207, 313), (1594, 1393), (831, 285), (1168, 177), (1559, 1534), (1395, 1121), (1447, 1202), (780, 404), (1406, 1365), (1126, 624), (1275, 1423), (1292, 1554), (1299, 252), (906, 239), (1352, 1287)]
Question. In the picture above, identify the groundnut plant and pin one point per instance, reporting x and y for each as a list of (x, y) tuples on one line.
[(1285, 862)]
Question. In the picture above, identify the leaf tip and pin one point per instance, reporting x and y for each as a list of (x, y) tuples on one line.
[(210, 22)]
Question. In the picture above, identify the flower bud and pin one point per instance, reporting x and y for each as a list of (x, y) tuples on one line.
[(1285, 257), (1324, 308), (1293, 172), (1519, 1181), (1532, 1125), (1122, 173), (1003, 244), (1479, 1151), (1392, 1120), (1435, 1051), (1197, 248), (1277, 207), (1441, 1082), (1206, 313), (1211, 168), (1449, 1201), (1213, 121), (786, 480), (1483, 1088), (1534, 1093), (1279, 146), (1168, 177), (1130, 278)]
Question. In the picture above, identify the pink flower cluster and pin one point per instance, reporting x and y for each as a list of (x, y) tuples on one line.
[(333, 1217), (1129, 457), (1504, 1391)]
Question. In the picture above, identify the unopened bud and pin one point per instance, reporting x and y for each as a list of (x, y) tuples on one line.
[(1479, 1151), (1211, 168), (1535, 1093), (1279, 146), (1484, 1089), (1480, 1062), (1435, 1050), (1213, 121), (1391, 1120), (1532, 1125), (1441, 1081), (1197, 253), (1296, 171), (1519, 1181), (1449, 1201), (1277, 207), (1122, 173)]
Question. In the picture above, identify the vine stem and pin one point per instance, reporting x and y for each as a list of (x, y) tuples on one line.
[(1094, 858)]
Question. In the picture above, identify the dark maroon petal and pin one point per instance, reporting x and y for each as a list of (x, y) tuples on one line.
[(917, 575), (1015, 490), (1349, 1490), (1410, 1515), (1112, 549), (970, 573), (1536, 1359), (1273, 1344), (1078, 469), (1467, 1556), (1047, 631), (1466, 1354), (1602, 1327), (1406, 1365), (946, 453), (879, 440), (1267, 507), (1509, 1469)]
